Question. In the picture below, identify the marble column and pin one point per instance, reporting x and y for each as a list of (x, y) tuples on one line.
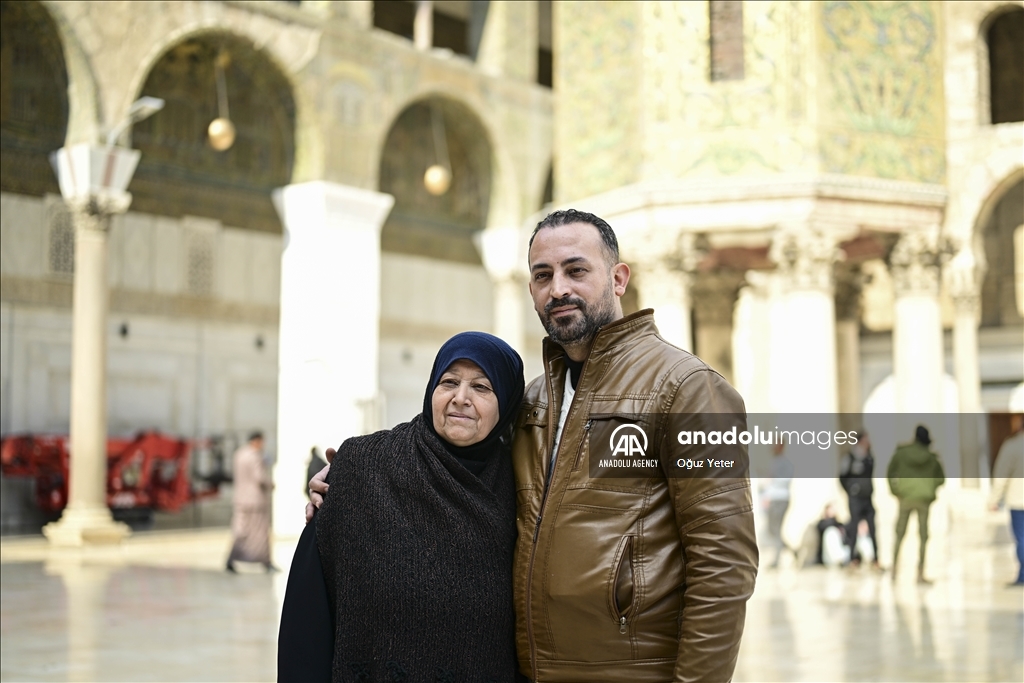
[(503, 253), (329, 329), (751, 355), (963, 281), (917, 324), (667, 290), (805, 259), (665, 267), (423, 25), (847, 301), (92, 181)]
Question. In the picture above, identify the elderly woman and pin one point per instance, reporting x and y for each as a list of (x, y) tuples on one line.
[(415, 538)]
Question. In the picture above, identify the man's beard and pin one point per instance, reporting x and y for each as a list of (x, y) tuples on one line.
[(577, 330)]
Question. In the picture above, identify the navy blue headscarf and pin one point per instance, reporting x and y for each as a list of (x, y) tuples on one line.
[(503, 367)]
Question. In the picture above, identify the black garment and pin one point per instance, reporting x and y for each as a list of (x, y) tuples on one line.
[(823, 525), (417, 556), (861, 508), (575, 368), (855, 475), (305, 641)]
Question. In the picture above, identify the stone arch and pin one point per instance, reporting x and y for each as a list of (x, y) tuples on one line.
[(505, 202), (34, 106), (1007, 30), (999, 217), (179, 171), (440, 227)]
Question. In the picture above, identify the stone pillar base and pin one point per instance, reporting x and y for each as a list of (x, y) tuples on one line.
[(78, 528)]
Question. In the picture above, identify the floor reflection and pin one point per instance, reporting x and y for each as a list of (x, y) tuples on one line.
[(162, 609)]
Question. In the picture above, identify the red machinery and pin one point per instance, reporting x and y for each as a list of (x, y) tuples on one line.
[(149, 471)]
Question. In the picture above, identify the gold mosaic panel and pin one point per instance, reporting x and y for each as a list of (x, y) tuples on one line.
[(881, 89), (597, 114)]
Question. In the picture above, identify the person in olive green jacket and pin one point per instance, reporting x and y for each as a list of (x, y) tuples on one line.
[(914, 474)]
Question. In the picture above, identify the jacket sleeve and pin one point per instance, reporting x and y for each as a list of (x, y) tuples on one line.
[(716, 527), (892, 475)]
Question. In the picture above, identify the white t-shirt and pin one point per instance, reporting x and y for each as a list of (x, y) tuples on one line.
[(567, 396)]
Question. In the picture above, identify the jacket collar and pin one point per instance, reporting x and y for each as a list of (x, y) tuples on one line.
[(609, 336)]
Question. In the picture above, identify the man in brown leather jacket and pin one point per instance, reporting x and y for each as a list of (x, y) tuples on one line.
[(621, 578)]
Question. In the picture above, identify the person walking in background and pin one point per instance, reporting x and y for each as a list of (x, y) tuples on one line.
[(914, 474), (855, 474), (250, 518), (775, 500), (1008, 486)]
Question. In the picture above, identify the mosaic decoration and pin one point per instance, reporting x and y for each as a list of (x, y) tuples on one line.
[(749, 125), (597, 120), (881, 94), (33, 98)]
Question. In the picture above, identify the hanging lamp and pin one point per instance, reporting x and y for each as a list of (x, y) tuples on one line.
[(438, 178), (221, 131)]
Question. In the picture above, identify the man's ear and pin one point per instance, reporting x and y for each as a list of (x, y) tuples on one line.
[(620, 278)]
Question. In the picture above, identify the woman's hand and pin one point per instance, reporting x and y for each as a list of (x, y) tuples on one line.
[(318, 487)]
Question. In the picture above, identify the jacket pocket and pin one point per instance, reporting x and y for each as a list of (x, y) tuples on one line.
[(623, 594)]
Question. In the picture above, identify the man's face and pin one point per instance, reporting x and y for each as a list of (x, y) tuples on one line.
[(574, 287)]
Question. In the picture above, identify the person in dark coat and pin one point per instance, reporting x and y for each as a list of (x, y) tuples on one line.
[(914, 474), (855, 475), (414, 541)]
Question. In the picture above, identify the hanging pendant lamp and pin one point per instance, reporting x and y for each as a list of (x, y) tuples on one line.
[(438, 177), (221, 131)]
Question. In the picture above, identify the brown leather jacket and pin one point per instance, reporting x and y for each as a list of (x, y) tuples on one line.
[(635, 579)]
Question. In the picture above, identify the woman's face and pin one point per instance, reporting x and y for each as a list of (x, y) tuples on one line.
[(464, 405)]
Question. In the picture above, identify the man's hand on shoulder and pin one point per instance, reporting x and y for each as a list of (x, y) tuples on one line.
[(318, 487)]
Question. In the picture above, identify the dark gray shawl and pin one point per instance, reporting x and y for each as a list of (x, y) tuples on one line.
[(417, 556)]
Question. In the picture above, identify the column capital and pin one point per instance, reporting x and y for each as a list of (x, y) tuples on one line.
[(805, 258), (916, 262), (714, 296), (963, 278), (92, 212), (670, 251), (317, 205)]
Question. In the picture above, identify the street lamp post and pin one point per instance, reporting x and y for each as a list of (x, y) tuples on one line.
[(93, 181)]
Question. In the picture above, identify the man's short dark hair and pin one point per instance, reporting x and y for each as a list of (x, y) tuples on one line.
[(570, 216), (255, 434)]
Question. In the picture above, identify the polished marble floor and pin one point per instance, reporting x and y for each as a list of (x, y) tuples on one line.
[(161, 608)]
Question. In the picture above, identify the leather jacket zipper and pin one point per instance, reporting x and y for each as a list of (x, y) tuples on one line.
[(540, 513), (621, 614), (579, 451)]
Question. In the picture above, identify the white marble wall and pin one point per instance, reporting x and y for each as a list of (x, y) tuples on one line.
[(423, 303), (186, 362)]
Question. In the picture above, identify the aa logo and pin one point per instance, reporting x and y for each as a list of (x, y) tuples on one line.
[(628, 440)]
